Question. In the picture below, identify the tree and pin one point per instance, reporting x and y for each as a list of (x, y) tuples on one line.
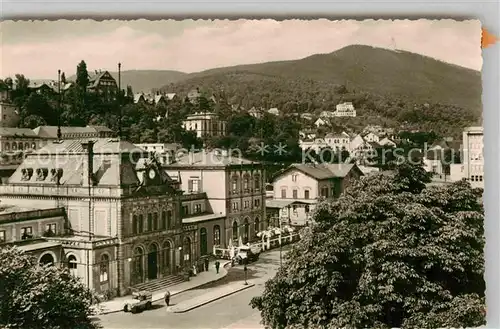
[(82, 76), (63, 78), (390, 252), (40, 297)]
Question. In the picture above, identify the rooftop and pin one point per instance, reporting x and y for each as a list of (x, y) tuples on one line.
[(51, 131), (324, 170), (202, 218), (16, 132), (210, 159)]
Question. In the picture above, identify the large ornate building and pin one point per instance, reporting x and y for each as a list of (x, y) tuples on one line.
[(122, 225)]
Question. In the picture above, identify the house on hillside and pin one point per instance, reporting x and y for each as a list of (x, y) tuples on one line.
[(103, 83), (160, 100), (171, 96), (338, 141), (274, 111), (256, 113), (345, 110), (306, 116), (321, 122), (205, 125), (193, 95), (139, 99), (304, 185), (327, 114), (356, 142), (371, 137), (387, 142)]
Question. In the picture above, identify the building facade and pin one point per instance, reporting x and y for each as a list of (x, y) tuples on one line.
[(123, 221), (345, 110), (234, 187), (205, 125), (473, 159), (302, 186)]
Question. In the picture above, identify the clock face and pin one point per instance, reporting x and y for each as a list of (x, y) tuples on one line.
[(152, 174)]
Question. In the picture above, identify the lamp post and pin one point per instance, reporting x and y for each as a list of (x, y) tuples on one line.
[(245, 269), (281, 243)]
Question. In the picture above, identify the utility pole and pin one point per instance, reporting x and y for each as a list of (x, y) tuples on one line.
[(59, 135), (119, 100)]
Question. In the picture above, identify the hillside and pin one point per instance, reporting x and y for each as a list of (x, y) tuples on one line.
[(379, 71), (145, 80)]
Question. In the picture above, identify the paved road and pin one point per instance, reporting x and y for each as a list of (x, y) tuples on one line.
[(230, 312)]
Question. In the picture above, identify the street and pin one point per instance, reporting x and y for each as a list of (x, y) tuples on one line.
[(233, 311)]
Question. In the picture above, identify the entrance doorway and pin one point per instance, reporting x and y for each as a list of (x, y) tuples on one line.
[(153, 262), (203, 241)]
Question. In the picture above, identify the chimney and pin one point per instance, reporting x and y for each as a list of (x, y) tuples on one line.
[(88, 169)]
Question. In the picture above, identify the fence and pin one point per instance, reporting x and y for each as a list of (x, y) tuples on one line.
[(267, 244)]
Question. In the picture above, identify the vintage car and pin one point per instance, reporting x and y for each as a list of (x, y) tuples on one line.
[(246, 255), (141, 300)]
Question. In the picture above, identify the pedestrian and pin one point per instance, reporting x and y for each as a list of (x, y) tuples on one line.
[(206, 264), (167, 298), (217, 265)]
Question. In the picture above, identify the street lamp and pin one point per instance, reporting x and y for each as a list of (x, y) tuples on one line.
[(245, 269), (281, 243)]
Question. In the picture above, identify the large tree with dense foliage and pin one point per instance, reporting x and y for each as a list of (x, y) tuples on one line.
[(40, 297), (390, 252)]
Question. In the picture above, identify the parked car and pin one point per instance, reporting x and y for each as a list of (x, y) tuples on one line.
[(246, 254), (141, 300)]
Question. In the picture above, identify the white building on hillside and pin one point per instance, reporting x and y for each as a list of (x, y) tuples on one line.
[(345, 110), (473, 160), (205, 125)]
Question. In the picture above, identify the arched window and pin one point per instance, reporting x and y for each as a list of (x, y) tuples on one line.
[(235, 230), (7, 146), (72, 264), (33, 146), (138, 267), (246, 231), (141, 224), (257, 225), (216, 235), (20, 147), (256, 182), (164, 220), (150, 222), (234, 184), (246, 182), (169, 219), (135, 227), (187, 249), (47, 259), (104, 268), (166, 257), (155, 221), (26, 146), (203, 241), (14, 146)]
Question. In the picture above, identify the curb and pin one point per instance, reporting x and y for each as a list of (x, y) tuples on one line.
[(250, 285), (174, 294)]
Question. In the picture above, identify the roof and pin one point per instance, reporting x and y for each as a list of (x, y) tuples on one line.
[(51, 131), (336, 135), (210, 159), (323, 171), (455, 145), (198, 116), (17, 132), (101, 146), (39, 245), (137, 97), (158, 98), (476, 129), (201, 218), (170, 95)]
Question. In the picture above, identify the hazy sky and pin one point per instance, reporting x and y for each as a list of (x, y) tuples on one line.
[(39, 48)]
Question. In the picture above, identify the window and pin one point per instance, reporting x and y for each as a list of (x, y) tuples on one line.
[(2, 236), (283, 193), (185, 210), (104, 268), (7, 146), (295, 194), (135, 227), (164, 220), (257, 225), (294, 177), (197, 208), (14, 146), (141, 224), (324, 192), (5, 117), (194, 186), (234, 185), (256, 203), (216, 235), (50, 229), (247, 204), (169, 219), (235, 205), (235, 231), (480, 178), (246, 183), (307, 209), (26, 233), (72, 264), (150, 222), (155, 221), (306, 194), (257, 182)]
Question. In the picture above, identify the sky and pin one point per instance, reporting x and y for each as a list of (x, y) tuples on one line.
[(38, 49)]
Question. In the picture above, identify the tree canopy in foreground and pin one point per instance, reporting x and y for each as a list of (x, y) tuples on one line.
[(390, 252), (40, 297)]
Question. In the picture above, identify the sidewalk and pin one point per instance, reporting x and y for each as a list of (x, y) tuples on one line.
[(211, 296), (116, 305)]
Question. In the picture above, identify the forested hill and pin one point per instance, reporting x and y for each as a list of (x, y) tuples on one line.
[(389, 73)]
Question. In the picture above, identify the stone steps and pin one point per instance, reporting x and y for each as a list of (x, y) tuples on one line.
[(159, 284)]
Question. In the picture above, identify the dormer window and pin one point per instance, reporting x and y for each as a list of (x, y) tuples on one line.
[(26, 174), (41, 174)]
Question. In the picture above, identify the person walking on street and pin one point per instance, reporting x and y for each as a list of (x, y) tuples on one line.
[(167, 298), (206, 264), (217, 265)]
